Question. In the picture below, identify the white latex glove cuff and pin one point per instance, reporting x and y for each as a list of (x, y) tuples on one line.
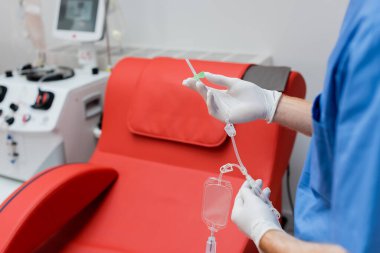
[(276, 95), (258, 231)]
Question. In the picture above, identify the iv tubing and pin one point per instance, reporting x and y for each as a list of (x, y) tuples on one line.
[(191, 67), (231, 133), (237, 154), (244, 171)]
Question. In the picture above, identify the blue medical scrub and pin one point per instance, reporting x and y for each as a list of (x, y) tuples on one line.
[(338, 197)]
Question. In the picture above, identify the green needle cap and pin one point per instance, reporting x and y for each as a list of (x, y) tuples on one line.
[(200, 75)]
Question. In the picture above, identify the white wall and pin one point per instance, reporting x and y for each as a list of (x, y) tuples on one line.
[(297, 33), (15, 49)]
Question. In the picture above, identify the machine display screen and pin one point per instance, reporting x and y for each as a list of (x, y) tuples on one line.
[(78, 15)]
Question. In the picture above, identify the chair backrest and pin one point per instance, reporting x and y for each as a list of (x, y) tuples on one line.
[(265, 148)]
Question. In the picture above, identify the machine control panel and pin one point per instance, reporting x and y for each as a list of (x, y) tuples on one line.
[(35, 107), (49, 123)]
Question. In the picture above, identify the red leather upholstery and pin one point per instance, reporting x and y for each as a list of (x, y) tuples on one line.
[(43, 205), (155, 205), (159, 96)]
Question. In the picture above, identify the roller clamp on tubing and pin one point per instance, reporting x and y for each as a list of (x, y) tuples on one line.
[(255, 185)]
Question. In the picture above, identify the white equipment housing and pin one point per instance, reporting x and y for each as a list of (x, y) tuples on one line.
[(52, 123), (42, 138), (80, 20)]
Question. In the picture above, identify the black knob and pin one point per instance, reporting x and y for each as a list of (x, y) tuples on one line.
[(13, 107), (27, 68), (9, 73), (10, 120), (1, 112), (95, 71)]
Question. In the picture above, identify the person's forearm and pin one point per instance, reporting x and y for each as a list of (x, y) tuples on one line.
[(280, 242), (294, 113)]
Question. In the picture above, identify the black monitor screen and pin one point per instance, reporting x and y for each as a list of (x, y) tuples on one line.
[(78, 15)]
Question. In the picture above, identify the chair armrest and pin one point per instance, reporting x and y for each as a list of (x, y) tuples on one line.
[(43, 205)]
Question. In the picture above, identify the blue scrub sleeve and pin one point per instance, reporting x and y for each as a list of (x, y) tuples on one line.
[(356, 180)]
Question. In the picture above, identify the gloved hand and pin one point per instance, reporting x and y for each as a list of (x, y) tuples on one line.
[(241, 102), (252, 215)]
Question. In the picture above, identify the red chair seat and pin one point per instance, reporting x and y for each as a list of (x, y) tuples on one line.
[(153, 207)]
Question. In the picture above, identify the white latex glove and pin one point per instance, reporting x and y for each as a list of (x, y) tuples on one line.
[(241, 102), (252, 215)]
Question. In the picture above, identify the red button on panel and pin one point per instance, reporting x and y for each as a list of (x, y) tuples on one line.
[(26, 118)]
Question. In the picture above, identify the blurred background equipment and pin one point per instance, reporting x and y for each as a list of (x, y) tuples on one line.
[(48, 113)]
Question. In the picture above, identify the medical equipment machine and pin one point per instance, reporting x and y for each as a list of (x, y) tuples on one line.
[(48, 113), (81, 21), (45, 124)]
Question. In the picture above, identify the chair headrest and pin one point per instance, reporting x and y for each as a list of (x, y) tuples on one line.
[(162, 108)]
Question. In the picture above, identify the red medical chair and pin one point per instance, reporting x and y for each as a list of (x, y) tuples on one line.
[(142, 189)]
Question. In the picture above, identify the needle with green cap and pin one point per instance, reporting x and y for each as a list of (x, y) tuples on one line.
[(196, 76)]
